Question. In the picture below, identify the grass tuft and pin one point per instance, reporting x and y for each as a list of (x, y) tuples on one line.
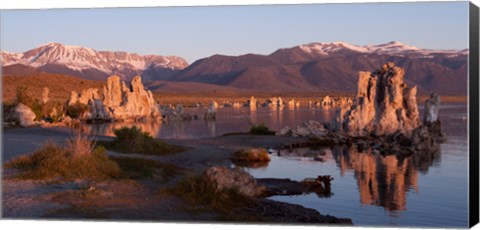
[(76, 110), (198, 190), (133, 140), (70, 162), (137, 168), (261, 129)]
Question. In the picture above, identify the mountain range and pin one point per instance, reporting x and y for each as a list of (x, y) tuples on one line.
[(322, 67), (91, 64)]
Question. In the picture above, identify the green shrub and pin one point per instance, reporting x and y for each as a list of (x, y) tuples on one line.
[(261, 129), (59, 162), (133, 140), (76, 110)]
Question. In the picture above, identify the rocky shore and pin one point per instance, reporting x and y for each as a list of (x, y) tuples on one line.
[(143, 199)]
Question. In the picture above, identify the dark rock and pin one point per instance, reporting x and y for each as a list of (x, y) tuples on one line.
[(280, 212), (286, 187)]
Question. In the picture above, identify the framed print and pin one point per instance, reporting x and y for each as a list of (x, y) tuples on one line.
[(354, 114)]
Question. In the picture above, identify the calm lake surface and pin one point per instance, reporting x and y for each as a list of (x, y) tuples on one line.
[(372, 190)]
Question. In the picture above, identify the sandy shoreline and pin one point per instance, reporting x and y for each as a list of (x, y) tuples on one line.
[(135, 199)]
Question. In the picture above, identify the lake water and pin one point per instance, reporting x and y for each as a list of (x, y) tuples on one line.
[(372, 190), (227, 120)]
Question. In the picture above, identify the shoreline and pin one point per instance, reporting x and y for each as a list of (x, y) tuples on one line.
[(139, 199)]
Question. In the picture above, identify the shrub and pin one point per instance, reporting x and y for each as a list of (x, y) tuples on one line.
[(49, 107), (66, 162), (135, 168), (133, 140), (76, 110), (37, 108), (251, 155), (261, 129), (198, 190), (23, 96), (80, 145)]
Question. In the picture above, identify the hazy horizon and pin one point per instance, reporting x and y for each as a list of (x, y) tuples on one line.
[(198, 32)]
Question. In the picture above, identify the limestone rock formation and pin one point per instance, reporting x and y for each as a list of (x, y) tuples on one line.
[(431, 117), (117, 101), (237, 178), (274, 103), (384, 105), (291, 104), (24, 115), (45, 97), (210, 114), (253, 103), (327, 101), (307, 129), (431, 109)]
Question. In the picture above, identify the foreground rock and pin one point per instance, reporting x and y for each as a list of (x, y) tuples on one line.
[(273, 211), (237, 179), (280, 212), (117, 101)]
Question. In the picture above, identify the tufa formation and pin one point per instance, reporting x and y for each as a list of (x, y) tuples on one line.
[(117, 101), (384, 105)]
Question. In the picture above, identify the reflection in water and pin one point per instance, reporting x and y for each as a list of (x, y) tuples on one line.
[(253, 116), (383, 180), (106, 129), (252, 165), (227, 120), (210, 125)]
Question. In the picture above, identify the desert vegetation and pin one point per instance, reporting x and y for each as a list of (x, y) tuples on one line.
[(251, 155), (261, 129), (199, 191), (138, 168), (60, 85), (76, 110), (134, 140), (43, 109), (78, 159)]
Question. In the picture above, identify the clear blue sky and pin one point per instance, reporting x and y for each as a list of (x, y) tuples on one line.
[(198, 32)]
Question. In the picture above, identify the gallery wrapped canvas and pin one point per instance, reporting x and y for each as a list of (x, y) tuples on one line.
[(325, 114)]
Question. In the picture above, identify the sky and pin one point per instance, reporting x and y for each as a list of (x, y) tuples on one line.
[(198, 32)]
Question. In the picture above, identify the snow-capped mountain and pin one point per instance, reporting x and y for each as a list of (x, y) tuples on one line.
[(331, 67), (89, 63), (327, 67), (391, 48)]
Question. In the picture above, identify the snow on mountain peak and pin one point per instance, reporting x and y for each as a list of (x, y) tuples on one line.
[(80, 58), (391, 48)]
